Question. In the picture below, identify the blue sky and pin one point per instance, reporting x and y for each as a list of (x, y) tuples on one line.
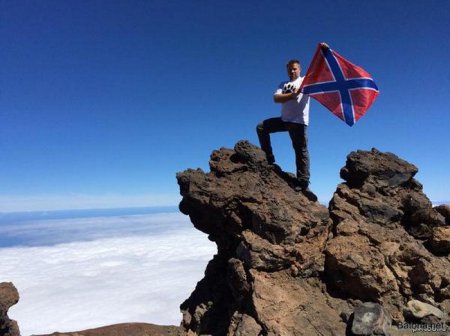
[(102, 102)]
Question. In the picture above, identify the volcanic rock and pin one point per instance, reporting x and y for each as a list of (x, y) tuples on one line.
[(444, 210), (370, 319), (421, 309), (440, 240), (8, 297), (286, 265), (270, 240), (385, 259)]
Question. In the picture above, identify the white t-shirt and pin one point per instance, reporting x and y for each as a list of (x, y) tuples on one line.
[(296, 111)]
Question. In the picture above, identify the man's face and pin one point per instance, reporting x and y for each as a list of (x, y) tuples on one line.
[(293, 71)]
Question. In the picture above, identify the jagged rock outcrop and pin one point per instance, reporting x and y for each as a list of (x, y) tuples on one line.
[(270, 241), (289, 266), (383, 249), (8, 297)]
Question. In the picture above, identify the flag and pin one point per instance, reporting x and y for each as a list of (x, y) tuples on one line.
[(342, 87)]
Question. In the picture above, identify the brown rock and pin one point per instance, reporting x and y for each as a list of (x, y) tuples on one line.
[(382, 219), (444, 210), (379, 169), (8, 297), (357, 269), (440, 240), (422, 222), (126, 329), (243, 324), (288, 266), (237, 279), (265, 232), (288, 306)]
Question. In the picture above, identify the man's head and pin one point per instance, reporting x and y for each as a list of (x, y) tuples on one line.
[(293, 69)]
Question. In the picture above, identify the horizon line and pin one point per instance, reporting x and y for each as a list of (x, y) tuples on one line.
[(119, 208), (75, 201)]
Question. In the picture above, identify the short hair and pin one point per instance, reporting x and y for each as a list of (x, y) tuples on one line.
[(293, 61)]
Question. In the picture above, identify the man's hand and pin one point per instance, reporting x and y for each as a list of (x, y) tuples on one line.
[(324, 46), (296, 93), (284, 97)]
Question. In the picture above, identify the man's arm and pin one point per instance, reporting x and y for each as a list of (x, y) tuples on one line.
[(284, 97)]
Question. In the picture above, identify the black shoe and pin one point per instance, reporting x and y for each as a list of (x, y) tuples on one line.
[(309, 194), (302, 187)]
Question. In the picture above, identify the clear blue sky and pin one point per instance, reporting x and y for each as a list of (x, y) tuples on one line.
[(102, 102)]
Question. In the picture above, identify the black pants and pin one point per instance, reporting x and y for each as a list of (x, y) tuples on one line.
[(297, 132)]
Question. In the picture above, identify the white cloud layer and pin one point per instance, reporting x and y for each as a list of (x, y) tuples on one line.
[(120, 278), (16, 203), (55, 231)]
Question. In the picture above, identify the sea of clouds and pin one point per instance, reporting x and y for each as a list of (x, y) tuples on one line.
[(79, 273)]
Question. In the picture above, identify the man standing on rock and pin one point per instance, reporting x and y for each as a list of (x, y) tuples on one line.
[(294, 119)]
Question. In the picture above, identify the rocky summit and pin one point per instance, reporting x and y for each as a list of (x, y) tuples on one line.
[(374, 262)]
